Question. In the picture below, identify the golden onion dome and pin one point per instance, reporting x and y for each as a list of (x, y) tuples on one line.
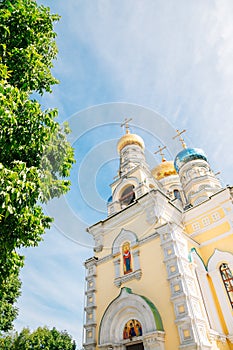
[(130, 139), (164, 169)]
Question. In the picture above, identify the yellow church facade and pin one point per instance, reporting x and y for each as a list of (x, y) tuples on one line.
[(161, 274)]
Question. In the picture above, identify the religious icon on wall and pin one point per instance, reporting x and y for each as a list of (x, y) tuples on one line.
[(132, 329), (127, 258)]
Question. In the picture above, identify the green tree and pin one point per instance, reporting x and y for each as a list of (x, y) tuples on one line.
[(41, 338), (36, 157)]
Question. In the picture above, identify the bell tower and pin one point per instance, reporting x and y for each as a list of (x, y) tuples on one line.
[(134, 177)]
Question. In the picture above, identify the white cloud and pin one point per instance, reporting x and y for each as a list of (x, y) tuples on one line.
[(169, 56), (161, 54)]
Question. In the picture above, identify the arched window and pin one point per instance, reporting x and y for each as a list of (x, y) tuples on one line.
[(227, 280), (177, 194), (128, 195), (127, 260), (202, 171)]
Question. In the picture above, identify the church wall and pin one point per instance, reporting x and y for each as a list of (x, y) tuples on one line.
[(218, 306), (223, 244), (106, 290), (221, 308), (213, 233), (209, 214), (204, 220), (224, 346), (153, 284), (135, 219)]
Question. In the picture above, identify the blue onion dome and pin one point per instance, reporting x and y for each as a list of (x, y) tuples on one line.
[(110, 199), (188, 154)]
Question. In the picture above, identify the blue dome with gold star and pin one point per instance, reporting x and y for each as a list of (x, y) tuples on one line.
[(188, 154)]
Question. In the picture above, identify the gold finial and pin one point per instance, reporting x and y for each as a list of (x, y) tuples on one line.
[(161, 153), (180, 138), (126, 125)]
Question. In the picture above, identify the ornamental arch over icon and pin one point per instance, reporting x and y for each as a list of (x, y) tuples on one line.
[(126, 257), (132, 311), (123, 236)]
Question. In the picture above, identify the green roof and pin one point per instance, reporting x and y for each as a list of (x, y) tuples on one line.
[(156, 314)]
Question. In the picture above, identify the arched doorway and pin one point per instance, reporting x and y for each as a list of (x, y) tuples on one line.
[(136, 346), (136, 315)]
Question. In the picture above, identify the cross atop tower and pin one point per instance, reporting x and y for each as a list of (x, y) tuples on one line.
[(161, 153), (180, 137), (126, 125)]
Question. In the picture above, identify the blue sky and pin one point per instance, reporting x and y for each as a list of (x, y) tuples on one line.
[(118, 59)]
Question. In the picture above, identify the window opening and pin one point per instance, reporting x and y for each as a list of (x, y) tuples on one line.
[(216, 216), (227, 280), (177, 194), (128, 196), (196, 226), (206, 221)]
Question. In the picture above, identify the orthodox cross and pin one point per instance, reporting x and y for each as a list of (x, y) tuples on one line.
[(161, 153), (126, 125), (180, 137)]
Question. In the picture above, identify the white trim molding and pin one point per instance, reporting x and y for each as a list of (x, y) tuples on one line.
[(210, 307), (214, 263)]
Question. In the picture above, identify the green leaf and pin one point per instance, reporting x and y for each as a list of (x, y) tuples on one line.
[(35, 157)]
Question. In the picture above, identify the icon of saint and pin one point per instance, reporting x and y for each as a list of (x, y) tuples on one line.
[(127, 258)]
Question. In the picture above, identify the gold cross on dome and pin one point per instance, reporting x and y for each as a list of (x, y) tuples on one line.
[(126, 125), (161, 153), (180, 137)]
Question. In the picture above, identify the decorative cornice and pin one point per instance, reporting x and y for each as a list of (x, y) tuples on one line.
[(123, 279), (89, 325), (216, 336)]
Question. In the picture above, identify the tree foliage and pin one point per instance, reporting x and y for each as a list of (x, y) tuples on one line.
[(35, 155), (27, 44), (41, 338)]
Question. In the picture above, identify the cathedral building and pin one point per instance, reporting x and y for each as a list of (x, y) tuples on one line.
[(161, 273)]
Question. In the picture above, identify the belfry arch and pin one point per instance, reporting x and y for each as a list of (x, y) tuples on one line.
[(129, 306)]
